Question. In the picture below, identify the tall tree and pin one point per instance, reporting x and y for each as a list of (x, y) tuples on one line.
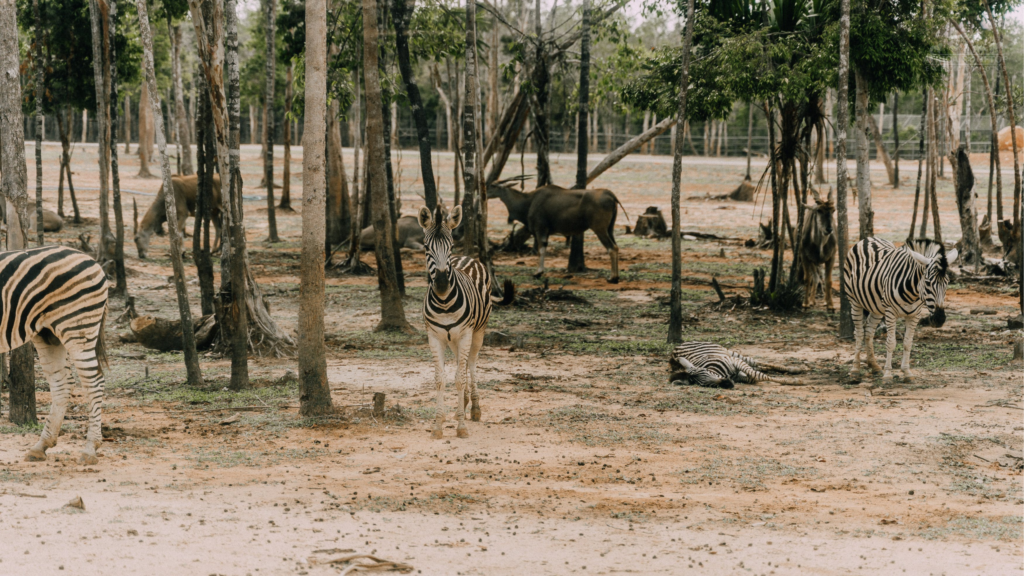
[(145, 129), (867, 215), (201, 245), (184, 133), (577, 259), (401, 12), (101, 74), (13, 187), (188, 339), (270, 11), (1011, 116), (286, 173), (392, 311), (474, 200), (38, 50), (675, 320), (120, 274), (314, 392), (842, 121)]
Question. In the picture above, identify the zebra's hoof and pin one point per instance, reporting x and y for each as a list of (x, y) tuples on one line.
[(613, 280), (538, 274), (35, 455), (887, 377), (88, 459), (474, 414), (436, 434), (462, 432)]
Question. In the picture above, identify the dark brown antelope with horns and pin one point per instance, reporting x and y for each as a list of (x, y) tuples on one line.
[(817, 247), (557, 210)]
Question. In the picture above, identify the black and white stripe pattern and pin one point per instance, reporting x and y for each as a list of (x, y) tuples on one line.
[(56, 297), (883, 281), (455, 310), (712, 366)]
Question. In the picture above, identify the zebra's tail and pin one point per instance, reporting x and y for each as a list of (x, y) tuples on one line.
[(101, 342), (508, 294)]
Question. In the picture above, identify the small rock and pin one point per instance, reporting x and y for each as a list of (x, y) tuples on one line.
[(133, 532), (1015, 323), (231, 420), (76, 502), (128, 337)]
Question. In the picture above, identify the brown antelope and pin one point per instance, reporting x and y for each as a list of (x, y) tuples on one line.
[(185, 189), (817, 247)]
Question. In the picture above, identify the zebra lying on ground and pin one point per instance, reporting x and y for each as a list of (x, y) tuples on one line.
[(908, 282), (712, 366), (57, 298), (455, 311)]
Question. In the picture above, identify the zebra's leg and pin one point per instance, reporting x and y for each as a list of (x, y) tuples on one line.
[(857, 313), (54, 363), (869, 338), (890, 342), (89, 372), (438, 347), (908, 343), (474, 351), (462, 350)]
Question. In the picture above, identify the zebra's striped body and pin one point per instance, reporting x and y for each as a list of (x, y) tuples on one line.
[(710, 365), (455, 311), (56, 297), (883, 281)]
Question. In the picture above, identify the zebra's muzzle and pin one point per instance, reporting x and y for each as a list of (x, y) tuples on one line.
[(440, 281), (936, 320)]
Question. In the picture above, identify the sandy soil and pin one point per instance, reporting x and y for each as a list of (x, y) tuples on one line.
[(587, 461)]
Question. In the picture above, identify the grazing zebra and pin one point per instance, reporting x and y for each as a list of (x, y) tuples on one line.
[(57, 298), (712, 366), (455, 310), (885, 281)]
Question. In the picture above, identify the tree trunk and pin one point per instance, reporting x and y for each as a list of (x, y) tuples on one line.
[(1011, 116), (60, 183), (120, 274), (675, 322), (867, 216), (40, 117), (204, 197), (270, 10), (13, 184), (750, 134), (968, 112), (541, 93), (449, 126), (934, 154), (254, 137), (314, 390), (896, 140), (66, 159), (145, 125), (127, 124), (883, 154), (842, 120), (85, 124), (184, 140), (286, 175), (401, 12), (102, 80), (965, 204), (338, 217), (577, 262), (188, 337), (473, 200), (357, 198), (629, 147), (920, 161), (392, 311), (492, 82)]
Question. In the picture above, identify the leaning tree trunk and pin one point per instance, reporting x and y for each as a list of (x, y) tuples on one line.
[(269, 8), (286, 175), (314, 390), (102, 81), (188, 337), (120, 274), (675, 322), (184, 136), (13, 184), (842, 121), (883, 154), (577, 261), (392, 311), (965, 204), (65, 143), (401, 12), (867, 216), (38, 69), (629, 147)]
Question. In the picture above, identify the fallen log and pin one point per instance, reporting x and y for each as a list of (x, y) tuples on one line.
[(165, 335)]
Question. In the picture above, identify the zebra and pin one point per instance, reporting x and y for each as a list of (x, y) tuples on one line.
[(56, 297), (908, 282), (455, 311), (713, 366)]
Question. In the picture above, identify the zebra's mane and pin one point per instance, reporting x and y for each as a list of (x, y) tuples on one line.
[(929, 249)]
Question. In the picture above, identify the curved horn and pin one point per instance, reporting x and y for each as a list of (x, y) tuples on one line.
[(830, 198), (817, 197)]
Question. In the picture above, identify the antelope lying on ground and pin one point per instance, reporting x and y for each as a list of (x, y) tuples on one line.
[(185, 188), (817, 247)]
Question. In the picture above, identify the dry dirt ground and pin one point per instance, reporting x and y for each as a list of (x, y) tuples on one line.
[(587, 460)]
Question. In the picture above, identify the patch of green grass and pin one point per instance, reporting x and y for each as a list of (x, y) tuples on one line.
[(1007, 528)]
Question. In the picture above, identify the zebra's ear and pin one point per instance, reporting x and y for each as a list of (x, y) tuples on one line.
[(920, 257), (425, 219), (951, 255), (455, 218)]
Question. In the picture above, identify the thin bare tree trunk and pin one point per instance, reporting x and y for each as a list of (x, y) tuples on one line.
[(867, 216), (40, 117), (127, 124), (254, 135), (270, 11), (675, 323), (473, 200), (1011, 116), (896, 139), (492, 81), (629, 147), (184, 136), (120, 274), (842, 120), (286, 175), (920, 161), (85, 124), (314, 390), (392, 311), (883, 154), (145, 125), (401, 12), (750, 135), (204, 196), (102, 80)]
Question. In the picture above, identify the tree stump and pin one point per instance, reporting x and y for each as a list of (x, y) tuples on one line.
[(651, 223), (378, 404)]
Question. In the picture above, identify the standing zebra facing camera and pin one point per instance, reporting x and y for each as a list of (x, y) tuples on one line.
[(455, 311), (884, 281), (56, 297)]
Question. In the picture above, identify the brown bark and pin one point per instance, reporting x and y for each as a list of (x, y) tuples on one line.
[(965, 204), (97, 15), (1011, 116), (314, 390), (842, 121), (184, 135), (120, 273), (127, 132), (145, 125), (392, 311), (338, 217), (867, 215), (286, 176), (675, 323), (268, 119)]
